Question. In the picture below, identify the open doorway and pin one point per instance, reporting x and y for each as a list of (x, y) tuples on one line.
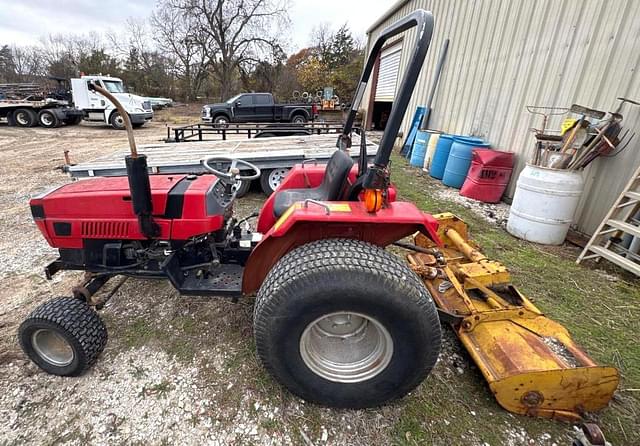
[(380, 115)]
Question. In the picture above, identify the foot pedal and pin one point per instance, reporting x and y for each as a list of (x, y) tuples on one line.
[(224, 280)]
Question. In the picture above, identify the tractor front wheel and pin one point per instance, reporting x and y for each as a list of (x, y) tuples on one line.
[(63, 336), (344, 323)]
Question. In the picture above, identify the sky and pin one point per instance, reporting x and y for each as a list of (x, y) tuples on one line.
[(22, 22)]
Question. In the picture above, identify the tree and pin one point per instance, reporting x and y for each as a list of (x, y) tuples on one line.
[(144, 69), (235, 34), (7, 65), (342, 48), (334, 59), (313, 74), (177, 34)]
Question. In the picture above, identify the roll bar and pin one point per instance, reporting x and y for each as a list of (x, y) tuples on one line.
[(423, 21)]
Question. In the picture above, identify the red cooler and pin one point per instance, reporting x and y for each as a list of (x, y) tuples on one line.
[(488, 176)]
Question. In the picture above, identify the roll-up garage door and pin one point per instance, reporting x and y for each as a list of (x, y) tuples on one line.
[(388, 73)]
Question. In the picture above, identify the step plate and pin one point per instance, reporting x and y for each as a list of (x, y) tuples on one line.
[(225, 280)]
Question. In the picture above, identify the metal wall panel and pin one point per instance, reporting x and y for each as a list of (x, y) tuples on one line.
[(507, 54)]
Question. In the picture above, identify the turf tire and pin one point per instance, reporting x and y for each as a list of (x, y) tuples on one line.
[(74, 321), (335, 275)]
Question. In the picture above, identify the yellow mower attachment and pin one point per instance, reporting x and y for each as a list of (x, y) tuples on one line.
[(532, 365)]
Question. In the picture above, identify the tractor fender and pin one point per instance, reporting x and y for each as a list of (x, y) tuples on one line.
[(302, 224)]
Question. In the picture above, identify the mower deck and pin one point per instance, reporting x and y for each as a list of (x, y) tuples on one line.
[(531, 363)]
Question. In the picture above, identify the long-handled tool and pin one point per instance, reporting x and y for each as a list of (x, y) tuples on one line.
[(607, 133), (531, 363), (577, 136)]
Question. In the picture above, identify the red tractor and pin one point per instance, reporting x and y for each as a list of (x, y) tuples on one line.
[(338, 320)]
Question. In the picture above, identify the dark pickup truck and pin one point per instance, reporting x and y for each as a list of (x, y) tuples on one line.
[(257, 107)]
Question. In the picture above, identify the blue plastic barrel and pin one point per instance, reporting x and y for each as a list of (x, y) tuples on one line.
[(419, 148), (459, 161), (440, 156)]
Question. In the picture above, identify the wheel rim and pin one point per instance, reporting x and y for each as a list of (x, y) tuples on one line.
[(119, 120), (21, 118), (221, 120), (46, 119), (346, 347), (52, 347), (276, 176)]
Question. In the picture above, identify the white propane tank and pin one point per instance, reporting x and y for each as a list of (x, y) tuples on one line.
[(544, 204)]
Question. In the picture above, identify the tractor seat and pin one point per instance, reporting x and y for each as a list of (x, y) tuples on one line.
[(335, 178)]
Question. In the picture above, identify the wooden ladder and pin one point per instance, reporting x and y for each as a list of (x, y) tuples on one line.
[(606, 240)]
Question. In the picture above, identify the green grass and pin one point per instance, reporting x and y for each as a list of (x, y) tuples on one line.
[(600, 310)]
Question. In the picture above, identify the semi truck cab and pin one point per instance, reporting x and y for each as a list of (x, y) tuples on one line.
[(99, 109)]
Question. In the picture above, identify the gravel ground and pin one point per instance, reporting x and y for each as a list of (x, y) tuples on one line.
[(178, 370)]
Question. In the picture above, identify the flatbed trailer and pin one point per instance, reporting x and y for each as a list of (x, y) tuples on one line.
[(274, 156), (47, 113)]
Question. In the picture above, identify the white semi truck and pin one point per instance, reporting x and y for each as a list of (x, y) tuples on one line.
[(97, 108), (24, 105)]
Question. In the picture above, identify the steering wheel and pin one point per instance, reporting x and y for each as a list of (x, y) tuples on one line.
[(233, 173)]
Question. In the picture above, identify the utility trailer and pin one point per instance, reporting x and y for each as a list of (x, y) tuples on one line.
[(213, 131), (274, 156)]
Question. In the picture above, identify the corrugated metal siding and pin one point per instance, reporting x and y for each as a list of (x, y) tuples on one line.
[(507, 54), (388, 73)]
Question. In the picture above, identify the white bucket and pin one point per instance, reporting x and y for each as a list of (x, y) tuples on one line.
[(544, 204)]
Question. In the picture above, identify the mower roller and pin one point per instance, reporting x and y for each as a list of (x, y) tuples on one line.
[(531, 363)]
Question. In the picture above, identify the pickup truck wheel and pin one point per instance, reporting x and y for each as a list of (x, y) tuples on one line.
[(48, 119), (63, 336), (272, 178), (221, 120), (25, 117), (117, 121), (346, 324), (298, 119)]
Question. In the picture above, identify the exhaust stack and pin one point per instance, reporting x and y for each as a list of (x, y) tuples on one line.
[(137, 174)]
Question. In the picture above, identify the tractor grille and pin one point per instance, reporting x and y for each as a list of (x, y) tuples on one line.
[(105, 229)]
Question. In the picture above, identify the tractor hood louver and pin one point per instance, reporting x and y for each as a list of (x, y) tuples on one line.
[(101, 229)]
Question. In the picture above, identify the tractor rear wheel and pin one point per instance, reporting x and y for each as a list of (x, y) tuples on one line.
[(63, 336), (346, 324)]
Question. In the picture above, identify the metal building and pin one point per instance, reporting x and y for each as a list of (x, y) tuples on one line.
[(507, 54)]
